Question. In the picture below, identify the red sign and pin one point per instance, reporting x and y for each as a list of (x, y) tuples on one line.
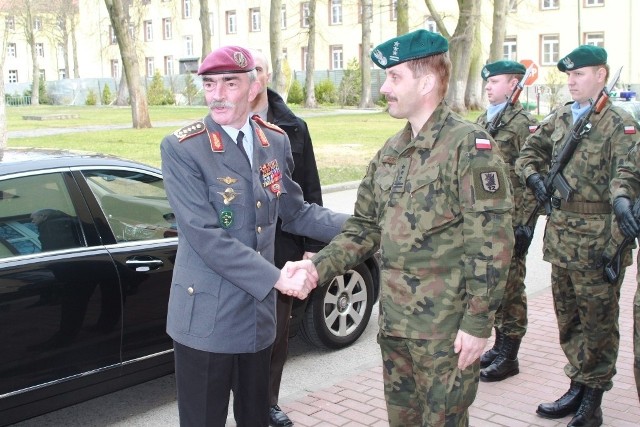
[(534, 75)]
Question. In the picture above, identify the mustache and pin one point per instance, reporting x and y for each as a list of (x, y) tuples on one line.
[(391, 98), (221, 104)]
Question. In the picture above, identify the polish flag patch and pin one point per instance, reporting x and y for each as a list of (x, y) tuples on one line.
[(533, 128), (483, 144), (629, 130)]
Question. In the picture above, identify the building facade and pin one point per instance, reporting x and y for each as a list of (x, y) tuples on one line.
[(168, 36)]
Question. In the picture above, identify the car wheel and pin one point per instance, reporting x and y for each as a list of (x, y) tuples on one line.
[(339, 312)]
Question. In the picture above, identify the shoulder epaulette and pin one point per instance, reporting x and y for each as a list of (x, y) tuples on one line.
[(190, 130), (271, 126)]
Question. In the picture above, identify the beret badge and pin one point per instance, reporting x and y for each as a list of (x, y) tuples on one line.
[(380, 57), (568, 63), (240, 59)]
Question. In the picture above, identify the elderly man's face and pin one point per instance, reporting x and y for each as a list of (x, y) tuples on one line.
[(38, 217), (228, 97)]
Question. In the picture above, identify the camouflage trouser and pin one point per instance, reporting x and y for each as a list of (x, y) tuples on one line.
[(511, 316), (423, 385), (636, 337), (587, 311)]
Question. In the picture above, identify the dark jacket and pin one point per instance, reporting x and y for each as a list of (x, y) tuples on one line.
[(289, 247)]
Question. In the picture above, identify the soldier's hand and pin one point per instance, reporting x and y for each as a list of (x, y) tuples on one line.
[(536, 184), (626, 221), (468, 348)]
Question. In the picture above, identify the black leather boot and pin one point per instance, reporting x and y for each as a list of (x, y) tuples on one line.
[(506, 364), (489, 356), (589, 413), (567, 404)]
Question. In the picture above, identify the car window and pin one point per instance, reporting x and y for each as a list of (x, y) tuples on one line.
[(134, 203), (37, 215)]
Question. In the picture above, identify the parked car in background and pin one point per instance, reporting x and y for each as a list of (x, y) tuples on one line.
[(87, 248), (631, 106)]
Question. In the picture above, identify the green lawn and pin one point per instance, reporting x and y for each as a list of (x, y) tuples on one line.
[(343, 142)]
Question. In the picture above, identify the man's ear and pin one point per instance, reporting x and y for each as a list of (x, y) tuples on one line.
[(428, 84), (254, 89)]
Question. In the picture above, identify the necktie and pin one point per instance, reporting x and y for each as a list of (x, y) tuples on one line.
[(240, 144)]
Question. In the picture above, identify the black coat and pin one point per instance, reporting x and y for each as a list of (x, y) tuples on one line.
[(289, 247)]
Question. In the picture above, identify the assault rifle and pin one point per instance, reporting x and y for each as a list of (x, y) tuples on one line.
[(496, 123), (555, 180), (611, 270)]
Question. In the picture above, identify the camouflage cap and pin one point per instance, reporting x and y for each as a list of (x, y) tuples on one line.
[(227, 59), (502, 67), (583, 56), (413, 45)]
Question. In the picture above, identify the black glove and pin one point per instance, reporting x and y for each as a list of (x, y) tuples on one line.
[(626, 221), (536, 184), (523, 235)]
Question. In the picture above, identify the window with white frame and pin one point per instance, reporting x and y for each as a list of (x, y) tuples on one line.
[(186, 9), (594, 39), (304, 14), (430, 24), (232, 22), (549, 4), (394, 10), (40, 49), (10, 22), (168, 65), (12, 52), (335, 12), (337, 60), (510, 48), (13, 76), (148, 31), (167, 29), (254, 15), (37, 23), (188, 45), (151, 69), (115, 68), (550, 44), (284, 53), (283, 16), (592, 3)]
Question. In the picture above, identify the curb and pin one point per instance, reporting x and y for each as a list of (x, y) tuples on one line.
[(341, 186)]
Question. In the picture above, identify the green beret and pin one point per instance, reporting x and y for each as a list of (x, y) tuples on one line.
[(583, 56), (414, 45), (502, 67)]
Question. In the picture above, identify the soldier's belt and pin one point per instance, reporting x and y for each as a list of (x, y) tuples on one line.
[(581, 207)]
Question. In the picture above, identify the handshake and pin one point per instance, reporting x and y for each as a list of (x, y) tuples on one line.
[(298, 279)]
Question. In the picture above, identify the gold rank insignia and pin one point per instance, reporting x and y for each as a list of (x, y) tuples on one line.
[(190, 130), (216, 142), (228, 195), (228, 180)]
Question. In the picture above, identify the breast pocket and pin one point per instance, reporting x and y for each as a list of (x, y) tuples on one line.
[(231, 203), (429, 201)]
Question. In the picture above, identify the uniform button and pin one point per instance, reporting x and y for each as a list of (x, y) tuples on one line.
[(190, 290), (259, 204), (259, 229), (259, 253)]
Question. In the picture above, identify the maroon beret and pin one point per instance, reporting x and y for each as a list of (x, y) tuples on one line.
[(227, 59)]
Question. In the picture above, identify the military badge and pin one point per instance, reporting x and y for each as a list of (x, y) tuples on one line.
[(276, 188), (189, 131), (226, 218), (240, 59), (490, 181), (228, 195), (380, 57), (568, 63), (262, 137), (270, 174), (216, 142), (228, 180)]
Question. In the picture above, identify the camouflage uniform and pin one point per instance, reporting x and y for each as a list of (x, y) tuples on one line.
[(577, 236), (627, 184), (511, 316), (438, 208)]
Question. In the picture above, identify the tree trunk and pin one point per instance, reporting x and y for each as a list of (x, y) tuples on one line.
[(74, 45), (65, 52), (123, 95), (475, 84), (402, 17), (278, 76), (120, 22), (365, 68), (459, 47), (500, 9), (310, 98), (205, 28)]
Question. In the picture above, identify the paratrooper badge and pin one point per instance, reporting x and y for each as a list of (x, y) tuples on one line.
[(228, 180), (228, 195), (216, 142), (190, 130)]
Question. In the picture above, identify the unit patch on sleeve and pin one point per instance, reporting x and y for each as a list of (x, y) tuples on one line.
[(489, 183)]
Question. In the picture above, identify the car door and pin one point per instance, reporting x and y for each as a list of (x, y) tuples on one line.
[(60, 296), (144, 245)]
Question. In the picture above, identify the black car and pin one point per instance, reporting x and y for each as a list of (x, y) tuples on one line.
[(87, 247)]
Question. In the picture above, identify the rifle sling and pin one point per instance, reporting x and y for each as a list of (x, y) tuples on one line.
[(581, 207)]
